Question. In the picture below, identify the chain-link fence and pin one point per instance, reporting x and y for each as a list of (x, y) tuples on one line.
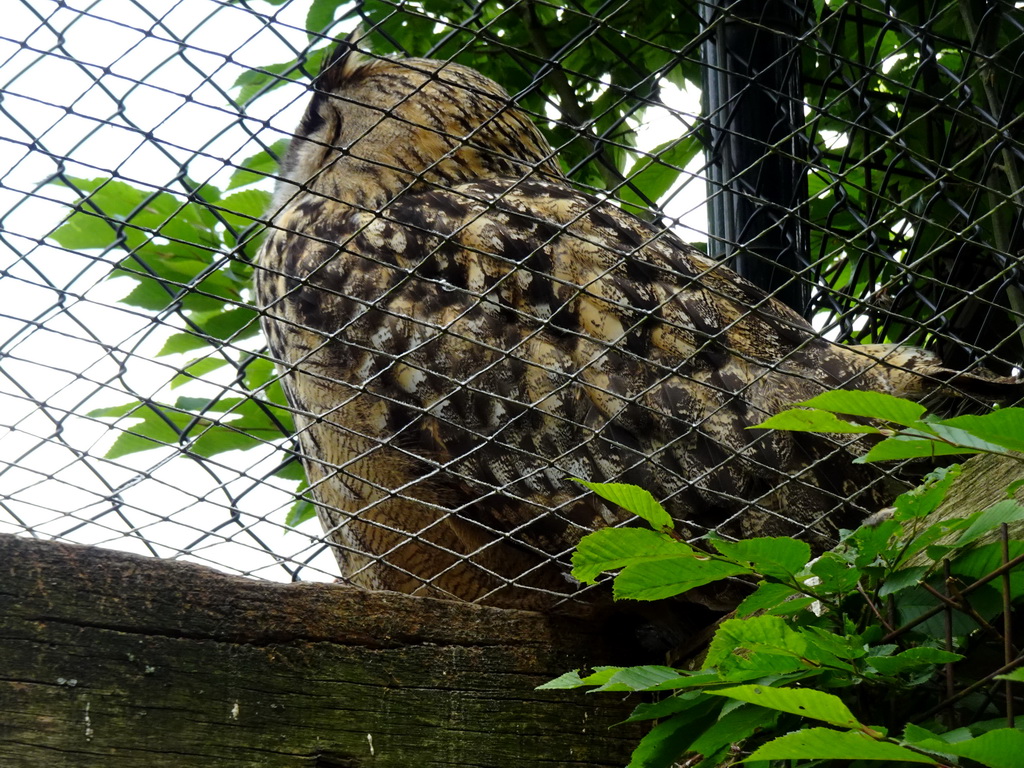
[(861, 160)]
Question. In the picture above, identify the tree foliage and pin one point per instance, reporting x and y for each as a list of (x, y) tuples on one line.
[(838, 657)]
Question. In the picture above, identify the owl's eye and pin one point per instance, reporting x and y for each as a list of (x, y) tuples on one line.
[(312, 121)]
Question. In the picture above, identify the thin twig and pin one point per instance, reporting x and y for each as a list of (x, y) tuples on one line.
[(971, 688), (950, 688), (1008, 649), (874, 608), (965, 591)]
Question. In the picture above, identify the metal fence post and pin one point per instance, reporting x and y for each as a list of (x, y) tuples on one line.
[(757, 185)]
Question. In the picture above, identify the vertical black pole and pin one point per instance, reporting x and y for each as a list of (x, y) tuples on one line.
[(757, 183)]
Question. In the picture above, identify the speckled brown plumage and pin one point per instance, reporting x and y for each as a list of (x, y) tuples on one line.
[(460, 331)]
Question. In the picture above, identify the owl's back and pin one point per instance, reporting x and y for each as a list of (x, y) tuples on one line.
[(456, 359)]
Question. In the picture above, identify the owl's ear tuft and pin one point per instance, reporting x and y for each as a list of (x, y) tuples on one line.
[(341, 62)]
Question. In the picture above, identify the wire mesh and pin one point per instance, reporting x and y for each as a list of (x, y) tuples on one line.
[(140, 148)]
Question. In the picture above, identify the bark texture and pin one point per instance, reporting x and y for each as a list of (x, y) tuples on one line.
[(983, 481)]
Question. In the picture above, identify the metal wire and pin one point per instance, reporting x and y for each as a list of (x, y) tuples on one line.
[(121, 160)]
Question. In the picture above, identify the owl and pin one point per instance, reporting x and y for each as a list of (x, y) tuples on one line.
[(460, 332)]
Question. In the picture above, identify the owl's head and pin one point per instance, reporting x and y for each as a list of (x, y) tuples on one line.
[(376, 127)]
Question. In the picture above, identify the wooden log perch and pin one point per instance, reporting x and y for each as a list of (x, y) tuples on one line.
[(983, 481), (108, 659)]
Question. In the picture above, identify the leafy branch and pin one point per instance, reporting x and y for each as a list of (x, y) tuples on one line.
[(811, 666), (911, 432)]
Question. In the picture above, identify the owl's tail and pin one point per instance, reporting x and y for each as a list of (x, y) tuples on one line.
[(920, 375)]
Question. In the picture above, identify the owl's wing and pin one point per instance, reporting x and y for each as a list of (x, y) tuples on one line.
[(471, 350)]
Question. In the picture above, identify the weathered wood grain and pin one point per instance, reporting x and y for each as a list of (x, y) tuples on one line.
[(108, 659)]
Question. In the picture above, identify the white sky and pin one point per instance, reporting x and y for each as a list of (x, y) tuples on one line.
[(107, 85)]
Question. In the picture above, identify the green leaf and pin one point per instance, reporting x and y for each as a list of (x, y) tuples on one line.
[(641, 678), (178, 343), (133, 217), (1001, 748), (797, 701), (912, 659), (226, 325), (99, 218), (633, 499), (829, 647), (901, 579), (611, 548), (732, 728), (246, 207), (658, 579), (601, 675), (931, 534), (133, 442), (909, 447), (982, 559), (257, 82), (829, 744), (218, 439), (115, 411), (872, 405), (686, 679), (244, 425), (564, 681), (872, 542), (654, 174), (665, 707), (292, 470), (1005, 427), (232, 324), (259, 166), (925, 498), (259, 373), (962, 437), (670, 738), (1005, 511), (84, 230), (300, 512), (792, 607), (768, 595), (150, 294), (203, 404), (1016, 676), (836, 574), (911, 603), (802, 420), (197, 371), (914, 733), (157, 429), (761, 645), (321, 16), (779, 556), (175, 266)]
